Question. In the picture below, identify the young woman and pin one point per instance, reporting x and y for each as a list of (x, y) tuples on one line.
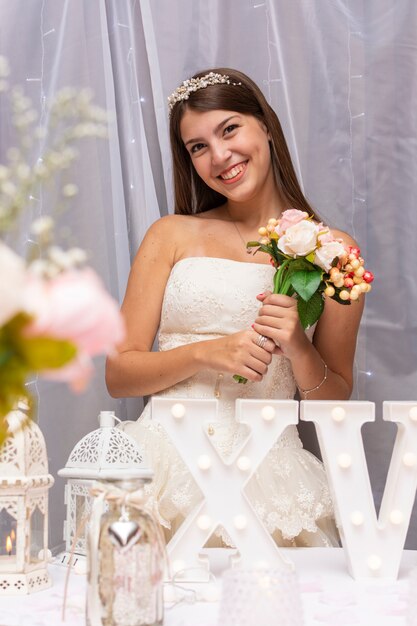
[(193, 280)]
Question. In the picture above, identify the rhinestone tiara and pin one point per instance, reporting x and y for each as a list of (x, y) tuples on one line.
[(194, 84)]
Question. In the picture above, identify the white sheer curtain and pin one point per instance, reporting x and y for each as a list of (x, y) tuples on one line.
[(341, 75)]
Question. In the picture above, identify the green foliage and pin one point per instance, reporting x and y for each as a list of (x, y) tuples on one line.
[(306, 283), (309, 311), (21, 356)]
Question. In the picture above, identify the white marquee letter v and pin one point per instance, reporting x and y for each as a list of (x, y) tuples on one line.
[(373, 546)]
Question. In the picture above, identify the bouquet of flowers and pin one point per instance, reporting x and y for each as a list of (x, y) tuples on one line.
[(55, 314), (311, 264)]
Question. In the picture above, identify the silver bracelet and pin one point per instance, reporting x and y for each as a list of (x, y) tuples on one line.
[(308, 391)]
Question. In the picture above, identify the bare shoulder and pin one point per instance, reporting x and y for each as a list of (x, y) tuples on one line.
[(164, 238), (345, 237)]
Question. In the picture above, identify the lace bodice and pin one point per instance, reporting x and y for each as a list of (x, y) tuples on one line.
[(207, 298)]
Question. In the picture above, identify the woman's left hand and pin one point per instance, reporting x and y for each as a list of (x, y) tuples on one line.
[(278, 320)]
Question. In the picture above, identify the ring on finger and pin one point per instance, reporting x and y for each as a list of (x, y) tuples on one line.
[(261, 341)]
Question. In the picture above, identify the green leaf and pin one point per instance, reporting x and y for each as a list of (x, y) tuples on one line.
[(306, 283), (41, 353), (310, 311)]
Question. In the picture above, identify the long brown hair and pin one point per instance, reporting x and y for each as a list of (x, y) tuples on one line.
[(242, 95)]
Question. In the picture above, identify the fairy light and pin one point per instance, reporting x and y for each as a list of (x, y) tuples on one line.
[(374, 562), (344, 460), (409, 459), (338, 414), (396, 517), (356, 517), (268, 413), (204, 462), (204, 522), (178, 410), (240, 522), (412, 414), (244, 463)]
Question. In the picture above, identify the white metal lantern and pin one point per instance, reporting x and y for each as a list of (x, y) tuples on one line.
[(24, 484), (103, 451)]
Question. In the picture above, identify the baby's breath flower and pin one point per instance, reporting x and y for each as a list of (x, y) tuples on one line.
[(59, 257), (42, 226), (4, 173), (8, 188), (70, 190), (77, 256), (23, 171)]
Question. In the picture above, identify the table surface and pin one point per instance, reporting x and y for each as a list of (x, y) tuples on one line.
[(329, 596)]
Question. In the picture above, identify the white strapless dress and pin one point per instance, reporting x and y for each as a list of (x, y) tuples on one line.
[(207, 298)]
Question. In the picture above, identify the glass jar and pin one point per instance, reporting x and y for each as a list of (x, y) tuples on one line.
[(127, 576)]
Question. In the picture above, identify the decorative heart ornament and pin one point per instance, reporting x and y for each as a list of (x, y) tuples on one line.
[(124, 533)]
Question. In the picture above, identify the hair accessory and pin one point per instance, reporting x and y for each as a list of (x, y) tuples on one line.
[(307, 391), (194, 84)]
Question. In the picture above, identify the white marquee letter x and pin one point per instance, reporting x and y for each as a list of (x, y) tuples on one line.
[(187, 423)]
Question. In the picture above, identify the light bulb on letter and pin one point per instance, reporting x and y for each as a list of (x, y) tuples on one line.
[(268, 413), (244, 463), (240, 522), (396, 517), (409, 459), (204, 462), (413, 413), (204, 522), (178, 410), (356, 517), (344, 460), (374, 562), (338, 414)]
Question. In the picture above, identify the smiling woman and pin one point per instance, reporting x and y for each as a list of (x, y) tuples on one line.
[(212, 307)]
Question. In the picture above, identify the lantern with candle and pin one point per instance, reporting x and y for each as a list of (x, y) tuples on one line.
[(24, 482), (106, 449)]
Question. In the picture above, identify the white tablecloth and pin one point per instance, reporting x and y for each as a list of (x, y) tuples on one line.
[(329, 596)]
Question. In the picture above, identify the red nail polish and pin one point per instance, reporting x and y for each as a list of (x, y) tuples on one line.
[(253, 325), (259, 295)]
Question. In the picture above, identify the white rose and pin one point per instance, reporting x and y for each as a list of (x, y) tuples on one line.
[(327, 253), (12, 282), (300, 239)]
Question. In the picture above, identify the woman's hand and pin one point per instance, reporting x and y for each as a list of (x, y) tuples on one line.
[(279, 321), (238, 354)]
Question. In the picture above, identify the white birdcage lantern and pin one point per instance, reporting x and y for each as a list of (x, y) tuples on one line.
[(106, 450), (24, 484)]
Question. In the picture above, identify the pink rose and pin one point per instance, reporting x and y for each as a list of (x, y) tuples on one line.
[(325, 236), (289, 218), (12, 281), (326, 254), (75, 306), (300, 239)]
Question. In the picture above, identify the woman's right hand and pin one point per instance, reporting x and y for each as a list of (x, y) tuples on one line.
[(238, 354)]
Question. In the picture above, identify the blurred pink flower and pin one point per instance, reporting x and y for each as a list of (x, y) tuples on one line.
[(12, 280), (75, 306)]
